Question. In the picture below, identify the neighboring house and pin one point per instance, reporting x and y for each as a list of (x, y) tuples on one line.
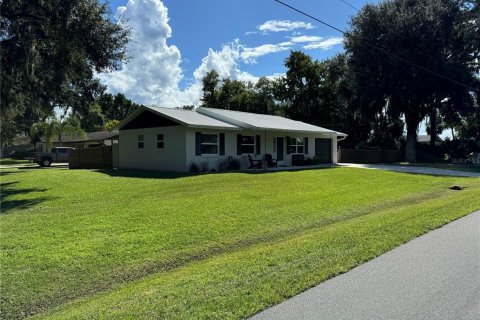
[(425, 139), (170, 139), (93, 139), (21, 143)]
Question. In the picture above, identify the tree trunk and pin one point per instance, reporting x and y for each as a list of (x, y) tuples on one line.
[(433, 127), (410, 148)]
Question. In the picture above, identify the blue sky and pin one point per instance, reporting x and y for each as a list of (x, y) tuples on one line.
[(175, 43)]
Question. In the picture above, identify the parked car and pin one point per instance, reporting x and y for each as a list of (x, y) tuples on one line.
[(58, 154)]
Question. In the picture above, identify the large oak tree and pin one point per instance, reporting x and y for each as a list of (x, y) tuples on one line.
[(50, 50), (435, 34)]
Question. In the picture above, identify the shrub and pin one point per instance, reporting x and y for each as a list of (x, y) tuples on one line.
[(193, 167), (204, 167), (233, 164), (228, 164)]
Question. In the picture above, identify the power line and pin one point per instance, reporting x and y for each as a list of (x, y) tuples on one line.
[(376, 47), (351, 6)]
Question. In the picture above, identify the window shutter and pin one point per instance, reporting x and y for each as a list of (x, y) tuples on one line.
[(222, 144), (257, 145), (239, 144), (198, 143), (305, 145), (288, 145)]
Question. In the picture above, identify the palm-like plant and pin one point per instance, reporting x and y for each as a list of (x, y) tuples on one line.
[(54, 127)]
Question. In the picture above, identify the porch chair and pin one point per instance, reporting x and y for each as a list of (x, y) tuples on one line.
[(271, 163), (254, 164)]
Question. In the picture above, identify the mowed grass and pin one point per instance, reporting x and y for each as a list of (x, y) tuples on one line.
[(86, 244)]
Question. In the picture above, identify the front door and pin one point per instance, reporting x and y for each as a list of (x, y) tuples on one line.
[(280, 149), (323, 150)]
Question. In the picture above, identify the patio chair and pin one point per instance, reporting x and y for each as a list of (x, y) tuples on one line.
[(271, 163), (254, 164)]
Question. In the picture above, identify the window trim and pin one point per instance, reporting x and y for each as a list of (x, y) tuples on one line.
[(294, 146), (160, 140), (140, 141), (210, 144), (249, 144)]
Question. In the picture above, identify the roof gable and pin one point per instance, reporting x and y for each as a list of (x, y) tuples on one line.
[(187, 118), (148, 119)]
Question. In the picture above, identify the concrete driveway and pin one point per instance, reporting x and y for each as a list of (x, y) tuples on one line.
[(33, 165), (413, 169), (435, 276)]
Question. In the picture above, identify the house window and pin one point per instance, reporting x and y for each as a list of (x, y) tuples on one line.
[(160, 141), (209, 143), (274, 144), (140, 142), (248, 144), (296, 145)]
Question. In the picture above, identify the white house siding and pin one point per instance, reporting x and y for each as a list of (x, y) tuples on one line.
[(266, 146), (212, 160), (170, 158), (311, 144)]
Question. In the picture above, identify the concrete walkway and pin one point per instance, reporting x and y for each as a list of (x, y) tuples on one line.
[(435, 276), (413, 169), (31, 165)]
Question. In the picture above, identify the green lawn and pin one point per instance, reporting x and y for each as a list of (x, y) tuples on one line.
[(105, 245)]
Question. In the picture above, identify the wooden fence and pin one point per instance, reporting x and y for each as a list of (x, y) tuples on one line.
[(369, 156), (91, 158)]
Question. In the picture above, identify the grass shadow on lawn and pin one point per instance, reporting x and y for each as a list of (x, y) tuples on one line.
[(8, 190)]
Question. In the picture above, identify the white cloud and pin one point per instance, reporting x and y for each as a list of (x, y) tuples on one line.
[(153, 74), (298, 39), (249, 55), (324, 44), (225, 62), (283, 25)]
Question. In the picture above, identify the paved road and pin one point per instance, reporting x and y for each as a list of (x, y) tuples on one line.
[(413, 169), (435, 276)]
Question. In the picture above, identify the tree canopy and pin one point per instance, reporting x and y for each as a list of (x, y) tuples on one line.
[(388, 42), (49, 53)]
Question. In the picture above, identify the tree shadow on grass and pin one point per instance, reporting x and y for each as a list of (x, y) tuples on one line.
[(9, 190), (146, 174), (152, 174)]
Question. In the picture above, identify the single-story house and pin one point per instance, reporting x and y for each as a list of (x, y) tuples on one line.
[(171, 139), (425, 139), (93, 139)]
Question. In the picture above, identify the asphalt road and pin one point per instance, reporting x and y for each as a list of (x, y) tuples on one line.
[(435, 276)]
